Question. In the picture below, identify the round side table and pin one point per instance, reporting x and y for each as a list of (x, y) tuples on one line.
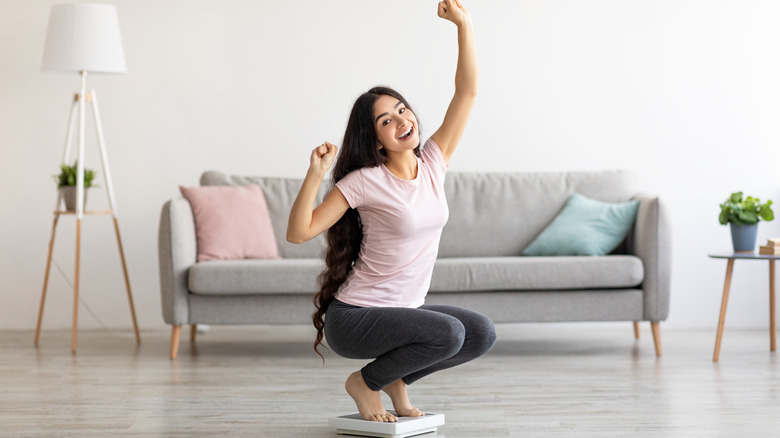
[(727, 285)]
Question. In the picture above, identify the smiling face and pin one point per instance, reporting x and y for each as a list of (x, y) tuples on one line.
[(396, 125)]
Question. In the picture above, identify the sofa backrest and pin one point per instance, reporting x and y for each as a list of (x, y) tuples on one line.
[(491, 214), (499, 214)]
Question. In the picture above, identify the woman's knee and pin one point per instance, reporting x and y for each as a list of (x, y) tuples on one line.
[(483, 335), (448, 336), (488, 335)]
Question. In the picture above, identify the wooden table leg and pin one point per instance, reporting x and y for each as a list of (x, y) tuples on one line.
[(127, 281), (723, 305), (46, 279), (772, 328), (636, 329), (74, 333)]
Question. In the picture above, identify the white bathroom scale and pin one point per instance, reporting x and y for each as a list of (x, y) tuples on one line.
[(355, 425)]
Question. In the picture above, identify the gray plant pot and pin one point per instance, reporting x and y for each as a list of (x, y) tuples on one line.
[(744, 238), (69, 196)]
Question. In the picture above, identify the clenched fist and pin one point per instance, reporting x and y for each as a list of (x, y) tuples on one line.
[(322, 157), (454, 11)]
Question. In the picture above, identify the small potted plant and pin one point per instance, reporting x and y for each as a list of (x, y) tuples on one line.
[(743, 215), (66, 183)]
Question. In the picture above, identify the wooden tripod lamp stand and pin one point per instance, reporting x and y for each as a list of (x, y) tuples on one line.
[(84, 38)]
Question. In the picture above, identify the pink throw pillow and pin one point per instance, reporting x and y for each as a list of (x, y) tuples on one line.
[(231, 222)]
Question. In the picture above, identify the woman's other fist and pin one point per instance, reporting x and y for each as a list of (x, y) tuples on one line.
[(322, 156)]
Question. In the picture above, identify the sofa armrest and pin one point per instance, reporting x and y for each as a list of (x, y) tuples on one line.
[(178, 250), (652, 242)]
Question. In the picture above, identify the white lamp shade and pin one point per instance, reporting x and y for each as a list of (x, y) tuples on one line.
[(83, 37)]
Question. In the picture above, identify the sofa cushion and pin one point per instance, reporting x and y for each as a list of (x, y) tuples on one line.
[(536, 273), (251, 277), (280, 194), (231, 223), (299, 276), (585, 227)]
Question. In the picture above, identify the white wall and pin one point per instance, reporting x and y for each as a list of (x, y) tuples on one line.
[(684, 93)]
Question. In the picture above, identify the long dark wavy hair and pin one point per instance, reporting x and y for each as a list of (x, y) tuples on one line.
[(358, 150)]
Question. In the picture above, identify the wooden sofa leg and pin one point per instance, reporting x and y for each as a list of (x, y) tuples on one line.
[(193, 331), (636, 329), (175, 335), (656, 327)]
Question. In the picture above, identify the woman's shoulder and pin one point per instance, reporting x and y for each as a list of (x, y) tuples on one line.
[(363, 171), (430, 143), (351, 177), (359, 176), (430, 152)]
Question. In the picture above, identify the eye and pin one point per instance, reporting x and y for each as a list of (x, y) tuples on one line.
[(385, 122), (402, 110)]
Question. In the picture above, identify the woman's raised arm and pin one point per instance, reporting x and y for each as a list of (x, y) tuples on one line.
[(306, 222), (451, 130)]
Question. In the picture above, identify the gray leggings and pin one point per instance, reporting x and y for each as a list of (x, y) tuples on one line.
[(407, 343)]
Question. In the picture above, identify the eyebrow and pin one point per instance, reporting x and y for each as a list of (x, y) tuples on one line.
[(384, 114)]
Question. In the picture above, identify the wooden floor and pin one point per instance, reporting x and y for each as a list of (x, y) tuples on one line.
[(557, 380)]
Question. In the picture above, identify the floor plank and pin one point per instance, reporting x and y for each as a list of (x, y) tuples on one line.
[(551, 380)]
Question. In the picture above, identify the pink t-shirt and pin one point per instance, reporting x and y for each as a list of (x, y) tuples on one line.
[(402, 222)]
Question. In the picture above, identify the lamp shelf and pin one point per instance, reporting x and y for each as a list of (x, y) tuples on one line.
[(60, 212)]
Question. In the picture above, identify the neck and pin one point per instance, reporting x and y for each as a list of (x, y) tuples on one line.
[(402, 164)]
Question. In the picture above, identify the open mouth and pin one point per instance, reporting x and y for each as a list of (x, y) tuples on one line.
[(407, 134)]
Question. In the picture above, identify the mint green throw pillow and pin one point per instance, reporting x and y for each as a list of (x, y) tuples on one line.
[(585, 227)]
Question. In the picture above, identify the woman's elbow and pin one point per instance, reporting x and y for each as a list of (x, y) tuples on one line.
[(296, 241), (292, 238), (468, 92)]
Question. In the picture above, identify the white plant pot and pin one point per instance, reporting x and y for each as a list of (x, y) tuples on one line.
[(69, 196)]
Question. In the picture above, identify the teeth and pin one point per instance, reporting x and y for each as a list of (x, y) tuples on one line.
[(405, 134)]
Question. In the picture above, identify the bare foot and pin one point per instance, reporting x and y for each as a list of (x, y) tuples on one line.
[(368, 402), (403, 407)]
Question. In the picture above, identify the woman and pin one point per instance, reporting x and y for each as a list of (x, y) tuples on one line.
[(384, 219)]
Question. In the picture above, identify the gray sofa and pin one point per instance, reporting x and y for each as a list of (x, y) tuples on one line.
[(493, 217)]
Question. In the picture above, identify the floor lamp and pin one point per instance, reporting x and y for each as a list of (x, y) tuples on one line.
[(84, 38)]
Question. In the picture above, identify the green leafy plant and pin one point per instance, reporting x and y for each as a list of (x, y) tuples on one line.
[(746, 211), (67, 176)]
